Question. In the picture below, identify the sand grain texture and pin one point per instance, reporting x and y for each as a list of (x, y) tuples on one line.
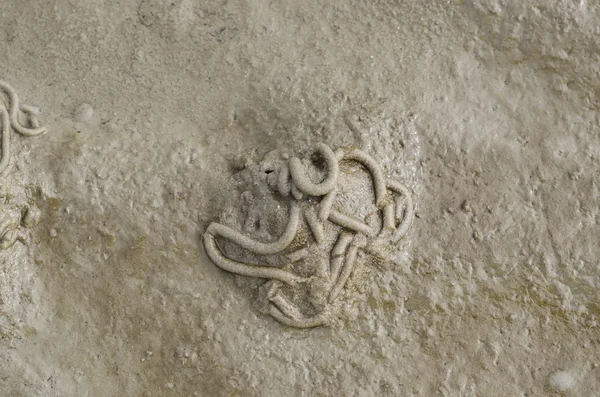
[(488, 111)]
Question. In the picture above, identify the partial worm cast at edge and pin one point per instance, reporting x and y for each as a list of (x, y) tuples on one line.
[(14, 107), (9, 238), (409, 214), (5, 140), (302, 181), (10, 233)]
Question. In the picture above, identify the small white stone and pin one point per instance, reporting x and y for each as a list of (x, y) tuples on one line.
[(561, 380), (53, 233), (83, 113)]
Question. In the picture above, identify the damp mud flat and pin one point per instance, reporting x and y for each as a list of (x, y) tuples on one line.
[(160, 115)]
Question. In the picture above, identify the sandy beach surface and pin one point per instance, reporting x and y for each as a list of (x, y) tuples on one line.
[(487, 110)]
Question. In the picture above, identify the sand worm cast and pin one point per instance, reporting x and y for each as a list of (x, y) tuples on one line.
[(293, 295), (10, 232), (12, 227), (10, 112)]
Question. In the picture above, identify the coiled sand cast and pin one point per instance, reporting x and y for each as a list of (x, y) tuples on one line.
[(11, 114), (344, 235)]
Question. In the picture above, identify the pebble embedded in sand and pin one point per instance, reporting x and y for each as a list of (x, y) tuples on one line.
[(83, 113), (561, 381)]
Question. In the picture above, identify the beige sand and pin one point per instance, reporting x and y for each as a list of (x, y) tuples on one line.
[(486, 109)]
